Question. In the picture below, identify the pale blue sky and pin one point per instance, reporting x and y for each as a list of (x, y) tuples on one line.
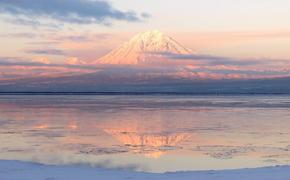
[(211, 15)]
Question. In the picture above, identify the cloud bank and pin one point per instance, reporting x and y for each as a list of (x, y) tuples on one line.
[(210, 60), (183, 67), (46, 51), (69, 11)]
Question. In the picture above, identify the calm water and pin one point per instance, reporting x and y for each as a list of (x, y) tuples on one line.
[(147, 133)]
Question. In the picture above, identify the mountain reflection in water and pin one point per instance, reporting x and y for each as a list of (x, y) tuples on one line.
[(151, 145)]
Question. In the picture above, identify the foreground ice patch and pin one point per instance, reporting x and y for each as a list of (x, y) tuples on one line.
[(15, 170)]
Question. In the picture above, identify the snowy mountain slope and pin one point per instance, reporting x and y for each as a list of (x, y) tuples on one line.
[(144, 47)]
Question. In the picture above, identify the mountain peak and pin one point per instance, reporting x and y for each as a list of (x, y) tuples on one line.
[(152, 34), (144, 47)]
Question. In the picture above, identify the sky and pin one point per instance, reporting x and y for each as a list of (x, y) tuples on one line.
[(81, 31)]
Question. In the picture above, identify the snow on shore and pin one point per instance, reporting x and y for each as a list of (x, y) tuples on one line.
[(15, 170)]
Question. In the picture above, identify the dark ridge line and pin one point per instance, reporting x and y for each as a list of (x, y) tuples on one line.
[(137, 93)]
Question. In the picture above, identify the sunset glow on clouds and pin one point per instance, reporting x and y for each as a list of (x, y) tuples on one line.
[(63, 38)]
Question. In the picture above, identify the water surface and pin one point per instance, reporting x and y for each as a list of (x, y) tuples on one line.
[(147, 133)]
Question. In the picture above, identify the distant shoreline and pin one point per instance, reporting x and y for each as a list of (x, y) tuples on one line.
[(138, 93)]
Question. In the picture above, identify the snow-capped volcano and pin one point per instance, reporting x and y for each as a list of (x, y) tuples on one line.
[(144, 47)]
